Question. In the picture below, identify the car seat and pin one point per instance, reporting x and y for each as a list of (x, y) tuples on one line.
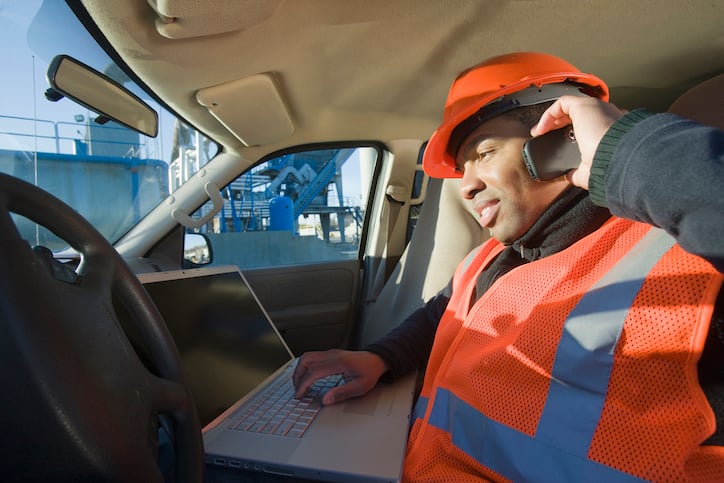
[(703, 103), (445, 233)]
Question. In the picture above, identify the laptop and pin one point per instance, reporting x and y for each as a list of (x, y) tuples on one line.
[(232, 353)]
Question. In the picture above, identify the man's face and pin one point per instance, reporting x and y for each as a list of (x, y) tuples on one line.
[(507, 200)]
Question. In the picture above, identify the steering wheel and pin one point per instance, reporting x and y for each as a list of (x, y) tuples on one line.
[(78, 402)]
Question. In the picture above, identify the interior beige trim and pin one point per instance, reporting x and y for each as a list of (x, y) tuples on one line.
[(181, 19), (251, 108)]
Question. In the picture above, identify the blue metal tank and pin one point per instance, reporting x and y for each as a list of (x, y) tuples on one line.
[(281, 214)]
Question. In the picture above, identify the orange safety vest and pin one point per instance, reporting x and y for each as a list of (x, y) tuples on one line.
[(580, 367)]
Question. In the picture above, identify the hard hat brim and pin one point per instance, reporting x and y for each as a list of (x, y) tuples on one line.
[(437, 160)]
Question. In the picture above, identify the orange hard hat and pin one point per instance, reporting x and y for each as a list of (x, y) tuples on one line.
[(495, 86)]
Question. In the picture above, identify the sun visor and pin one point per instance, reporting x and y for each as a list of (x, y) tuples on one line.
[(183, 19), (251, 108)]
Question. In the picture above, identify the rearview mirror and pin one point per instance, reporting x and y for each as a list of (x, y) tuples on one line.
[(86, 86)]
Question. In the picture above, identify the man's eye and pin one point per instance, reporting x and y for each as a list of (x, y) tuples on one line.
[(482, 155)]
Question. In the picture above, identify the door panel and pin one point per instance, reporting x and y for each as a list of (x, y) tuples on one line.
[(312, 305), (296, 225)]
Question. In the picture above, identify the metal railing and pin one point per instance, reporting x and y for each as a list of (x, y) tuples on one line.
[(28, 134)]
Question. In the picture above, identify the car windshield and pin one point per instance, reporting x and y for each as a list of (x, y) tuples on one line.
[(110, 174)]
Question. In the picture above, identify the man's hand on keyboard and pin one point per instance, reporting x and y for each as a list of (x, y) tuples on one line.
[(360, 370)]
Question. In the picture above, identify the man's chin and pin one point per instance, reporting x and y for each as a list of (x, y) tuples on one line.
[(504, 240), (502, 237)]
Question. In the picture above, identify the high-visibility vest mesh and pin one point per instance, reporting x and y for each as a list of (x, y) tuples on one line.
[(497, 357)]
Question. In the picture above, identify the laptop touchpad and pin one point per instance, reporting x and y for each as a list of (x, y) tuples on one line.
[(374, 402)]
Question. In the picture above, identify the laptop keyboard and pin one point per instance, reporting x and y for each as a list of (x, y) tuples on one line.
[(276, 411)]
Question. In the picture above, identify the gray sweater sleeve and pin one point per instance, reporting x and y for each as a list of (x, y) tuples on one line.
[(667, 171)]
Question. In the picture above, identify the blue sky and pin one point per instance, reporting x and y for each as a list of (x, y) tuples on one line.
[(24, 59)]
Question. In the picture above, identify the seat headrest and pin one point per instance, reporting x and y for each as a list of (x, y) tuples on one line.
[(703, 103)]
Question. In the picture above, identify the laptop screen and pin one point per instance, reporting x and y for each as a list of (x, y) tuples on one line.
[(226, 342)]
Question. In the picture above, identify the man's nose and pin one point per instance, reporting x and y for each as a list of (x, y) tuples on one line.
[(471, 182)]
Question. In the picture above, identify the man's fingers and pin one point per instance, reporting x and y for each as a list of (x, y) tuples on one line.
[(313, 366), (555, 117), (353, 388), (303, 365), (361, 370), (301, 384), (309, 377), (309, 361)]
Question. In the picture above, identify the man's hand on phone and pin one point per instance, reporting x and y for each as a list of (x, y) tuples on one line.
[(590, 117)]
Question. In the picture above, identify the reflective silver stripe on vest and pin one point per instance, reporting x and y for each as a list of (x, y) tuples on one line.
[(584, 358)]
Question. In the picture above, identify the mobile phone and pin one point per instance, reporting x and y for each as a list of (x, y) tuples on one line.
[(552, 154)]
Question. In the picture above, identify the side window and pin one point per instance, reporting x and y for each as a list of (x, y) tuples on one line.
[(301, 207)]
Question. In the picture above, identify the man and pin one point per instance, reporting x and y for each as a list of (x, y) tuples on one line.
[(574, 345)]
